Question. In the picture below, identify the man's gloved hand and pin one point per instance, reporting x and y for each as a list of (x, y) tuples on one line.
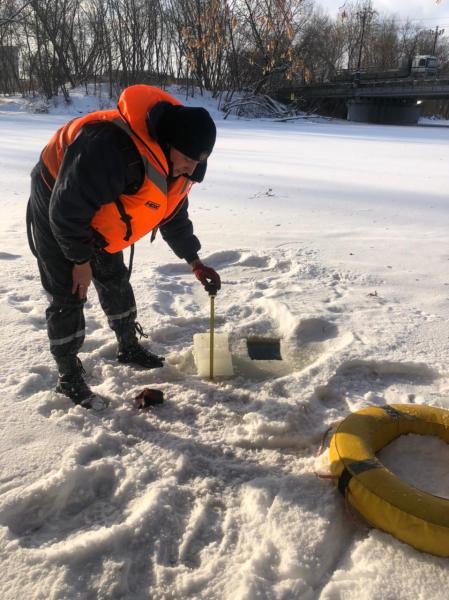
[(209, 278)]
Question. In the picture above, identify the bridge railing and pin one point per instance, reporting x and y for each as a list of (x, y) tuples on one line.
[(409, 87)]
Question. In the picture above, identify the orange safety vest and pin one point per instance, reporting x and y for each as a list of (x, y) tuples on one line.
[(125, 220)]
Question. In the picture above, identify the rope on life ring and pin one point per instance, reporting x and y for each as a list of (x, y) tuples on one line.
[(383, 499)]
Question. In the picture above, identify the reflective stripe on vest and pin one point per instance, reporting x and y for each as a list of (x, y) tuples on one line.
[(150, 170), (154, 175)]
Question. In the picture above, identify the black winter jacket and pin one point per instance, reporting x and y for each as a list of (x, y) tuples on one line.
[(98, 166)]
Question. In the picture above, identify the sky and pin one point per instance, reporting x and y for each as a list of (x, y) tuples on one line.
[(427, 11)]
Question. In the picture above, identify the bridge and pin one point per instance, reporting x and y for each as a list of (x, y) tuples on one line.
[(380, 101)]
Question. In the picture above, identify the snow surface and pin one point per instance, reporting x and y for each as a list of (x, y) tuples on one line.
[(434, 121), (331, 236)]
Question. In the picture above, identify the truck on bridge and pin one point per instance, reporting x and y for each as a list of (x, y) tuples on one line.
[(420, 66)]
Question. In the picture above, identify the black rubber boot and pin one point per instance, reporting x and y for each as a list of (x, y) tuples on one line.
[(136, 354), (71, 384), (130, 351)]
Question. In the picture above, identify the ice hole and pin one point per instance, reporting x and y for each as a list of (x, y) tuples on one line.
[(264, 348)]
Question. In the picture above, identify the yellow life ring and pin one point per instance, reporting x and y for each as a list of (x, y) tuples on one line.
[(411, 515)]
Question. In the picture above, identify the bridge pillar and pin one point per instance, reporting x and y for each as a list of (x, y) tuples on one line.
[(389, 111)]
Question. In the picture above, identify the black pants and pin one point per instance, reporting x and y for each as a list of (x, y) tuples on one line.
[(65, 314)]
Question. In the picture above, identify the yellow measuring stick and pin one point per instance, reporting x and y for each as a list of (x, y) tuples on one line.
[(211, 330)]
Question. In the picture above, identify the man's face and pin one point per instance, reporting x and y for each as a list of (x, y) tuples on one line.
[(182, 164)]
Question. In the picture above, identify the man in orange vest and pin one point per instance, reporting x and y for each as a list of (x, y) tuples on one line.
[(102, 182)]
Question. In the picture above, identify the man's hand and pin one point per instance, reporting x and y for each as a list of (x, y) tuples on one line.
[(81, 277), (209, 278)]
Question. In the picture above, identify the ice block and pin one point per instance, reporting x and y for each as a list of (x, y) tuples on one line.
[(222, 356)]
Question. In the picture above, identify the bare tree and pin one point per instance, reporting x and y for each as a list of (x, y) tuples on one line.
[(321, 48), (272, 29), (254, 46), (201, 29)]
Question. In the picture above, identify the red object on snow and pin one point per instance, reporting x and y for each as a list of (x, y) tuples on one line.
[(149, 397)]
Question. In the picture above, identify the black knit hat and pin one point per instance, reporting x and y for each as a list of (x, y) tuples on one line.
[(190, 130)]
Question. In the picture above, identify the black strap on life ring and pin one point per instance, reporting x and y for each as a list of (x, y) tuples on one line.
[(359, 466), (355, 468), (343, 481), (392, 412)]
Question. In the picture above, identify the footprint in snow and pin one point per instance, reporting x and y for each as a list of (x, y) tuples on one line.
[(58, 505), (217, 260), (203, 528), (254, 261), (315, 330), (370, 379), (21, 303)]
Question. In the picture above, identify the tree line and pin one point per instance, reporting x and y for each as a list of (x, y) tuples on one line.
[(51, 46)]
